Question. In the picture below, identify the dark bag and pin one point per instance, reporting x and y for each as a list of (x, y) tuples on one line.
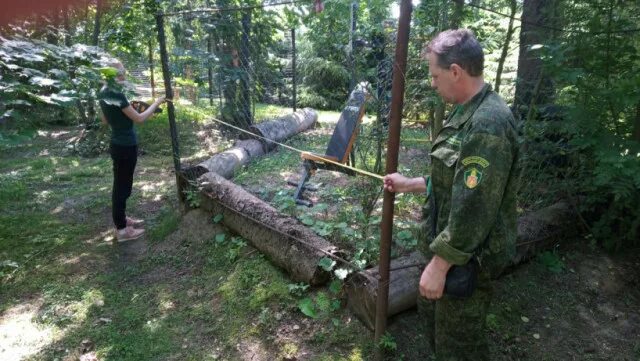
[(462, 280)]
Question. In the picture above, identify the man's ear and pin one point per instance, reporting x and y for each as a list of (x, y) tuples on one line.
[(456, 70)]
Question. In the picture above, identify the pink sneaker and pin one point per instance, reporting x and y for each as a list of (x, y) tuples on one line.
[(129, 233), (133, 222)]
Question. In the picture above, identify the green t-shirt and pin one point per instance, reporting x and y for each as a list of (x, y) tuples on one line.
[(112, 102)]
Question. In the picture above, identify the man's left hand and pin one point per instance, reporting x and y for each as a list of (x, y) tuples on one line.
[(433, 278)]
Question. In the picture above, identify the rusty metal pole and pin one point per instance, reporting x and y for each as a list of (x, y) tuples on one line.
[(397, 100), (171, 112)]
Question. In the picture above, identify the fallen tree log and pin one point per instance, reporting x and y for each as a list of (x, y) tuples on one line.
[(226, 163), (287, 242), (284, 127), (536, 231)]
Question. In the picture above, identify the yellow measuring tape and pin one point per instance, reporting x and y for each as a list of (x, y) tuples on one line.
[(319, 157)]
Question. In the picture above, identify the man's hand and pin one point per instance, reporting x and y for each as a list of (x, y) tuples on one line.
[(433, 278), (396, 182)]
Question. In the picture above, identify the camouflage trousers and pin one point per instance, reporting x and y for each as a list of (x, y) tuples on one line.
[(455, 327)]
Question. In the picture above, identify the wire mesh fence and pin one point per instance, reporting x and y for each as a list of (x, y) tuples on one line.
[(233, 61)]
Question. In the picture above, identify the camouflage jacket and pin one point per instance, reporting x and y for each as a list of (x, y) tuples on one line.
[(472, 186)]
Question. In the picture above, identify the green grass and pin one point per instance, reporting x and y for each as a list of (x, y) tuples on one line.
[(197, 299), (54, 211)]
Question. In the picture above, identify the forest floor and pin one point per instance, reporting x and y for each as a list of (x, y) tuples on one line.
[(69, 292)]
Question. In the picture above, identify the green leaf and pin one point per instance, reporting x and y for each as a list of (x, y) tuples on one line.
[(220, 237), (217, 218), (9, 263), (307, 220), (320, 207), (404, 235), (44, 82), (335, 286), (327, 263), (108, 72), (306, 306), (323, 302)]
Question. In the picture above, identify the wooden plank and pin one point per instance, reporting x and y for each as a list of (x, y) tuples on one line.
[(344, 134)]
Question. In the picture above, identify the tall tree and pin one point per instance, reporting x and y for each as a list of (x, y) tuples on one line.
[(539, 22), (513, 5), (96, 24)]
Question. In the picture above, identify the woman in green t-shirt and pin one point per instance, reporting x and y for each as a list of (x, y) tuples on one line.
[(120, 115)]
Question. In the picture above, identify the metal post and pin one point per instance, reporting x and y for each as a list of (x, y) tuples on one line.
[(397, 99), (166, 73), (352, 41), (293, 68)]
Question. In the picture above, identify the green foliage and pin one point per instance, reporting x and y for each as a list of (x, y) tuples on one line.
[(192, 197), (298, 289), (387, 343), (320, 306), (588, 154), (325, 84), (551, 261), (46, 84)]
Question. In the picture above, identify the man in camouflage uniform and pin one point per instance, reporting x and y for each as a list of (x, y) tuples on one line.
[(471, 196)]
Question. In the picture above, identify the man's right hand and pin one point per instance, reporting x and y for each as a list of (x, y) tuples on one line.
[(396, 182)]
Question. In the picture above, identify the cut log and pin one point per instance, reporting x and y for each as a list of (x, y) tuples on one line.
[(284, 127), (226, 163), (287, 242), (403, 287), (537, 231), (543, 229)]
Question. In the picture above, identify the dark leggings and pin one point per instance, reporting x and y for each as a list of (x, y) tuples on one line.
[(124, 163)]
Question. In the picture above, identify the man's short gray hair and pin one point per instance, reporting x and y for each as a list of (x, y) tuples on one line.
[(460, 47)]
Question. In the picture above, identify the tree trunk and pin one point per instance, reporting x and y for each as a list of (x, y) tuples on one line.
[(636, 124), (505, 47), (67, 25), (529, 62), (285, 127), (536, 231), (152, 78), (226, 163), (210, 68), (288, 243), (456, 18), (438, 119), (245, 91), (96, 25)]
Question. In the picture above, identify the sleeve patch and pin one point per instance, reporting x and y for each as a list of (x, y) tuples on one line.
[(472, 177)]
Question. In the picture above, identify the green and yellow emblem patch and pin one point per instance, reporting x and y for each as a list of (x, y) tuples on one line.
[(472, 177)]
